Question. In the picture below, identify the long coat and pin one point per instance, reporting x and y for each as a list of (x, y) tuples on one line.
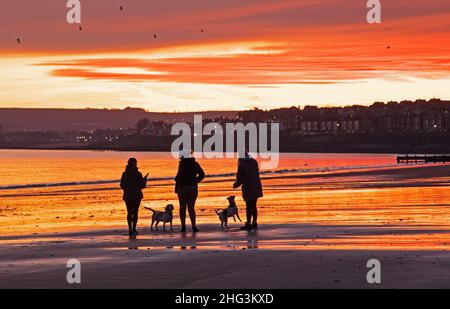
[(132, 184), (248, 177), (189, 173)]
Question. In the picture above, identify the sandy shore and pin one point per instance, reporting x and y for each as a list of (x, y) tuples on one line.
[(317, 231), (276, 256)]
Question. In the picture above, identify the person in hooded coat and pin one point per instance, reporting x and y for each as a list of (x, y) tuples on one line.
[(248, 177), (132, 183), (189, 175)]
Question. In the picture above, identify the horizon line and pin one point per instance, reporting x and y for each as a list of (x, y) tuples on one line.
[(300, 106)]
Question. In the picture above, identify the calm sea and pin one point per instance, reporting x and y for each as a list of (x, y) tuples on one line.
[(33, 168)]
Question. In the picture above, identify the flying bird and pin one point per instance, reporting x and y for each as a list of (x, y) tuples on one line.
[(121, 8), (18, 40), (155, 36)]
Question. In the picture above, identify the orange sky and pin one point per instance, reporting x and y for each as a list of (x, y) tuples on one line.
[(217, 54)]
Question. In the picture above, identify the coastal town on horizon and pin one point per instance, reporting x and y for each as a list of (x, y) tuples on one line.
[(390, 127)]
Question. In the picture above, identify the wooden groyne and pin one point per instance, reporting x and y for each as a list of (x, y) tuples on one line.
[(423, 159)]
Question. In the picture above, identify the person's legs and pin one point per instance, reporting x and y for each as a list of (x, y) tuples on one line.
[(129, 215), (251, 213), (136, 205), (183, 204), (250, 210), (191, 207), (255, 212)]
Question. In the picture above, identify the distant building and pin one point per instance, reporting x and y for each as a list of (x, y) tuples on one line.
[(419, 116)]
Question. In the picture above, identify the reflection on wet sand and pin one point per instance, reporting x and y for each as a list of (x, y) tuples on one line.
[(322, 255), (330, 219)]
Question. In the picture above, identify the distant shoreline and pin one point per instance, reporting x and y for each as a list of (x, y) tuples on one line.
[(166, 151), (106, 149)]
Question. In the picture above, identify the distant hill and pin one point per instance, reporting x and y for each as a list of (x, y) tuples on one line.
[(18, 119)]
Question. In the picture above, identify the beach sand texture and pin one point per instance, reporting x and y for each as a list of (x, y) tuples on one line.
[(322, 218)]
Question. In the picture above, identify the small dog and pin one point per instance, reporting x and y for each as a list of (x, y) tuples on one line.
[(162, 216), (230, 211)]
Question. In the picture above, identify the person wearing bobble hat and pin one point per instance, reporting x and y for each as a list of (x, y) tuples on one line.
[(189, 175)]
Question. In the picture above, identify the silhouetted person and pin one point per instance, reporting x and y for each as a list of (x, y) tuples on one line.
[(132, 184), (189, 175), (248, 177)]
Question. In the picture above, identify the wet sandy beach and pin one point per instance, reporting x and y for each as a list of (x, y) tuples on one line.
[(276, 256), (317, 230)]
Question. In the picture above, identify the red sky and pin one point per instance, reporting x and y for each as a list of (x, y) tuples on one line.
[(225, 54)]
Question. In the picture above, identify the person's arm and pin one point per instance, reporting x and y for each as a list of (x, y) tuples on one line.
[(257, 169), (143, 181), (200, 173), (177, 177), (240, 177), (122, 181)]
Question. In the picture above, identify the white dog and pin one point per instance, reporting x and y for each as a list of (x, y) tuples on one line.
[(230, 211), (162, 216)]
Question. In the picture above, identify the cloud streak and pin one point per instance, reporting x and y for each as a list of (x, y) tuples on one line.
[(348, 54), (239, 47)]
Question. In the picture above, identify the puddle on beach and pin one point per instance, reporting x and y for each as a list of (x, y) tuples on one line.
[(373, 242), (211, 246)]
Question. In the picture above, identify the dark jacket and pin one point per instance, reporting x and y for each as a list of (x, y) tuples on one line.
[(189, 173), (132, 184), (248, 177)]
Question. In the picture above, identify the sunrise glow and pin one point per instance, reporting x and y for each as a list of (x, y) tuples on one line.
[(208, 55)]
